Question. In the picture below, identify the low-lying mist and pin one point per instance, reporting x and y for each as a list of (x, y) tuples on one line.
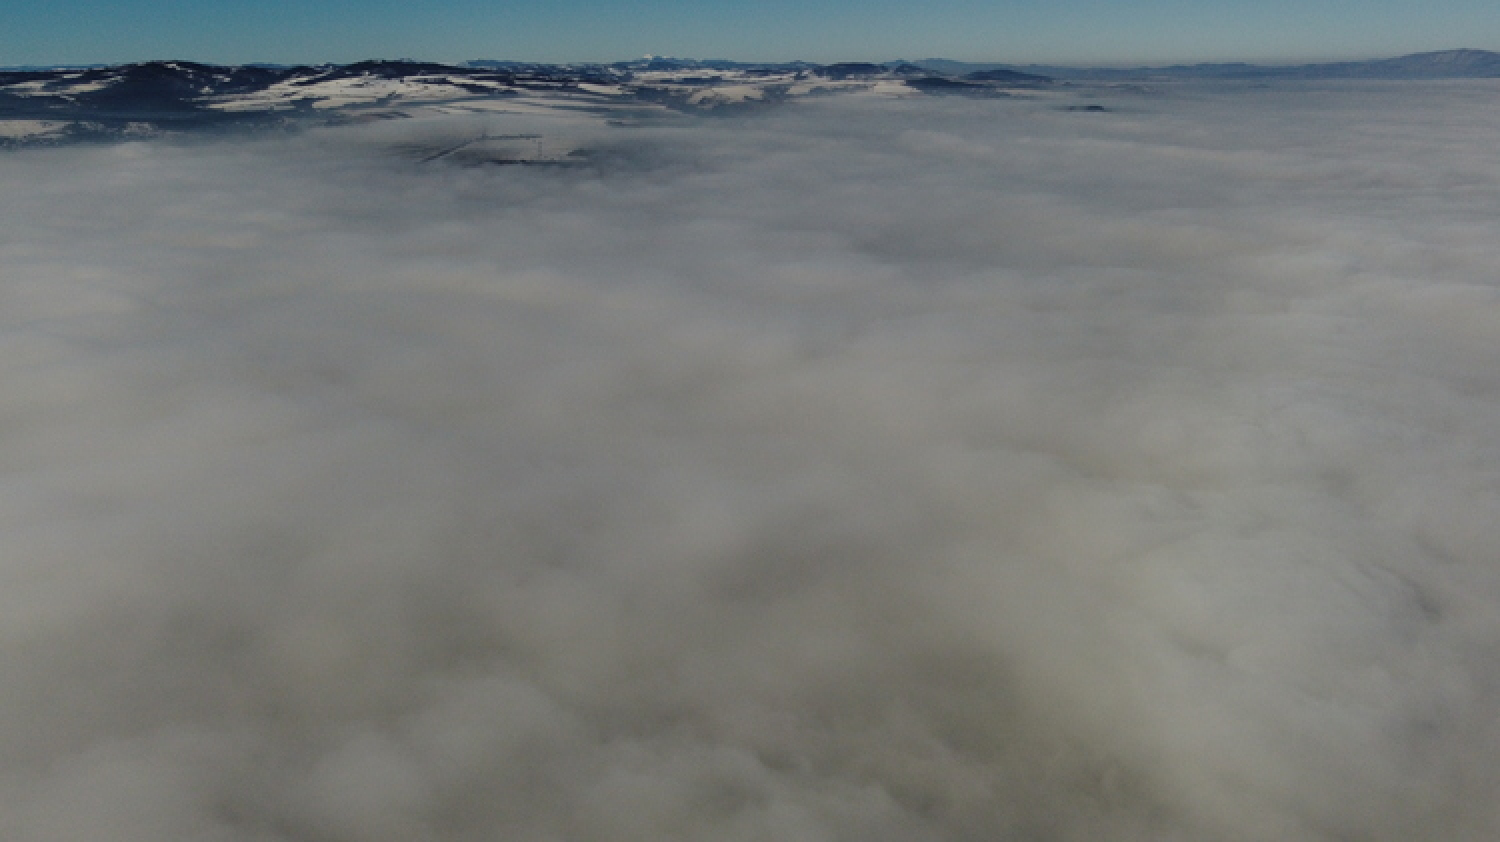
[(857, 470)]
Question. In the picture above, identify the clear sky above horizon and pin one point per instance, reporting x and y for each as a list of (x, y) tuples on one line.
[(1015, 31)]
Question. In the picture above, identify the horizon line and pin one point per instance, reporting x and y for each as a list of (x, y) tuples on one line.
[(1125, 64)]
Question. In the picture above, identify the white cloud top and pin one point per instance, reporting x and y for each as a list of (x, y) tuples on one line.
[(868, 469)]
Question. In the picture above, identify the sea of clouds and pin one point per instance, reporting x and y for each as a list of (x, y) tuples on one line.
[(859, 470)]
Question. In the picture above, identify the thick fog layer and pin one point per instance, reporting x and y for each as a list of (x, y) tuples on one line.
[(859, 470)]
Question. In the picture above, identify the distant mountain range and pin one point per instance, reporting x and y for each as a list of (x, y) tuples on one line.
[(58, 104), (1445, 64), (49, 105)]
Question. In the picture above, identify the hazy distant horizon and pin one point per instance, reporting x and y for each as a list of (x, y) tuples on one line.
[(1076, 65), (1024, 60), (1066, 32)]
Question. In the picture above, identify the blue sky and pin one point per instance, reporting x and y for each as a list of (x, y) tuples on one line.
[(1061, 31)]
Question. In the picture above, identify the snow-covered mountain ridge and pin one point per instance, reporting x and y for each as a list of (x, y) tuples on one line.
[(40, 105), (162, 95)]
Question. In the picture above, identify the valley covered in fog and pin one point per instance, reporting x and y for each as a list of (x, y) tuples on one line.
[(921, 469)]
